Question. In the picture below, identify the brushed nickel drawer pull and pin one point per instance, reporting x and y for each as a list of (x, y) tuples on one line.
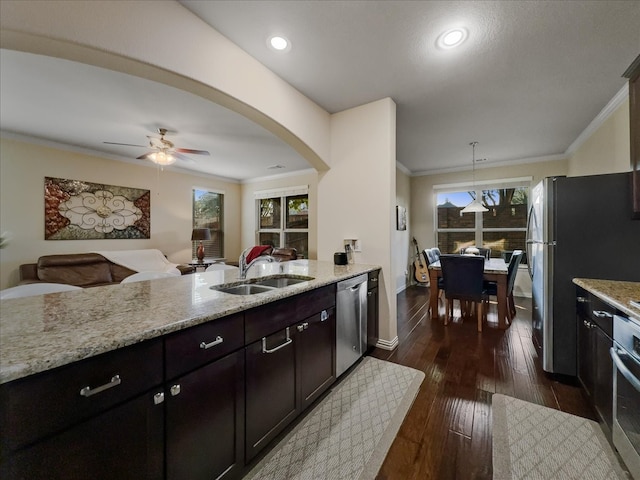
[(88, 391), (286, 342), (324, 316), (158, 398), (217, 341), (602, 314)]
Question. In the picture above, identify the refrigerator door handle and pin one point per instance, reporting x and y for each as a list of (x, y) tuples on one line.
[(529, 242)]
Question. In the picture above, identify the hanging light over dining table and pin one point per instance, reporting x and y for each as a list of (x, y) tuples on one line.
[(475, 205)]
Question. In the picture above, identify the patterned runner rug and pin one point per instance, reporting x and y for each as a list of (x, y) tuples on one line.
[(347, 435), (535, 442)]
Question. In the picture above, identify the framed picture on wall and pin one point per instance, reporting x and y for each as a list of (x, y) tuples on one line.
[(401, 218)]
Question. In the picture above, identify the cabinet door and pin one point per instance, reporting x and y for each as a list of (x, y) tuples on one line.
[(125, 442), (603, 377), (315, 351), (585, 352), (271, 402), (205, 421), (372, 318)]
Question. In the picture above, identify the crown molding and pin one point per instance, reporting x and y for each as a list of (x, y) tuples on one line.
[(277, 176), (497, 164), (597, 122), (403, 169)]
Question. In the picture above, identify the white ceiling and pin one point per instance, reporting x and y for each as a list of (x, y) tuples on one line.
[(530, 78)]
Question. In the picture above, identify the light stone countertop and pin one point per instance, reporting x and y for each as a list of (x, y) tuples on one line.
[(615, 293), (42, 332)]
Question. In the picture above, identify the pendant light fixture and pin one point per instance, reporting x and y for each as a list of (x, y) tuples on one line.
[(475, 205)]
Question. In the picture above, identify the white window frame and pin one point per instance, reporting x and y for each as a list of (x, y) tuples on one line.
[(478, 229), (281, 193)]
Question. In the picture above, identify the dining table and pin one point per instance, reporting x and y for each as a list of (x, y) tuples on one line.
[(495, 270)]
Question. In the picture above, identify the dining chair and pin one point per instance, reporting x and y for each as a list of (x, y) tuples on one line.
[(463, 281), (483, 252), (31, 289), (430, 255), (140, 276), (512, 270)]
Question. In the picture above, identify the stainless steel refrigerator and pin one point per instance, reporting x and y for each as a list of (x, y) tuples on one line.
[(577, 227)]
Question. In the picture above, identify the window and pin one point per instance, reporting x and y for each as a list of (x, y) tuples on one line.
[(502, 228), (283, 220), (208, 212)]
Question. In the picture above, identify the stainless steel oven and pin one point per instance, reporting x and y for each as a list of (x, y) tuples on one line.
[(626, 392)]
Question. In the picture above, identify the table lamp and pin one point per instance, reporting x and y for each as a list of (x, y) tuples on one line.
[(200, 234)]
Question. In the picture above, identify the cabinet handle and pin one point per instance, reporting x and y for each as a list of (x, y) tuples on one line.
[(286, 342), (175, 390), (158, 398), (217, 341), (587, 324), (324, 316), (582, 300), (602, 314), (374, 279), (88, 391), (303, 326), (369, 294)]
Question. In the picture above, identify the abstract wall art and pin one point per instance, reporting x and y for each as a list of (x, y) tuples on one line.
[(78, 210)]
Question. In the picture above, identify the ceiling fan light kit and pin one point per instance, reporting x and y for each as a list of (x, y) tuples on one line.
[(165, 152)]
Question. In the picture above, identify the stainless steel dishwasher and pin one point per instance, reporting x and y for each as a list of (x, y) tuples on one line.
[(351, 322)]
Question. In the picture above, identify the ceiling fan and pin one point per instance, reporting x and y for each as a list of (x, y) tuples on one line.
[(164, 151)]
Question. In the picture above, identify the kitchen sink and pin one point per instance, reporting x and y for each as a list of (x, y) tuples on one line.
[(255, 286), (280, 282), (244, 289)]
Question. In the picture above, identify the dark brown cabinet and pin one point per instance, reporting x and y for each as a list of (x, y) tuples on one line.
[(595, 366), (271, 400), (205, 421), (95, 419), (372, 309), (288, 369), (315, 355)]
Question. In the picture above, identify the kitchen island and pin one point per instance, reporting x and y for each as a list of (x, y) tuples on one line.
[(169, 378)]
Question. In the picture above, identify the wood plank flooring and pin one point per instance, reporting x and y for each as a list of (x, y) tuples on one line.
[(447, 432)]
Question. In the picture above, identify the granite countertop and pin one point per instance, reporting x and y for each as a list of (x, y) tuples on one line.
[(46, 331), (616, 293)]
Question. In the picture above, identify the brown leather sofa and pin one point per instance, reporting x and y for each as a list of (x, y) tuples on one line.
[(79, 269)]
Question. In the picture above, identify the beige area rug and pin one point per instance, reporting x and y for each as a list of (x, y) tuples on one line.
[(534, 442), (347, 435)]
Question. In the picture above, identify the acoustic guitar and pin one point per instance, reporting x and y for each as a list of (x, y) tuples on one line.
[(420, 267)]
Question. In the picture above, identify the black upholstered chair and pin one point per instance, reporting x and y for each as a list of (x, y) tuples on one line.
[(463, 281), (492, 287)]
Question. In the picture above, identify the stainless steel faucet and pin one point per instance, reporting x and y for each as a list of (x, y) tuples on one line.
[(244, 267)]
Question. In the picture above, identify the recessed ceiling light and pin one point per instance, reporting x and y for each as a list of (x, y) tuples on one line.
[(452, 38), (279, 43)]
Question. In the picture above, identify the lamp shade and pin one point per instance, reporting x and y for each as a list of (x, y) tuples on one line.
[(473, 207), (200, 234)]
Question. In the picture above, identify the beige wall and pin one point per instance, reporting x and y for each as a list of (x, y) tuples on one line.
[(402, 238), (357, 196), (249, 218), (607, 150), (23, 167)]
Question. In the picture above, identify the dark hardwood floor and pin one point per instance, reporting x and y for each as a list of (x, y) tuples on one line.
[(447, 432)]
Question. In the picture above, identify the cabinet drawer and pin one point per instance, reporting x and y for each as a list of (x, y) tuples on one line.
[(315, 301), (51, 401), (267, 319), (201, 344)]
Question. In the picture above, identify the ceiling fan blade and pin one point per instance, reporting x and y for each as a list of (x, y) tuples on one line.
[(126, 144), (145, 156), (182, 157), (192, 152)]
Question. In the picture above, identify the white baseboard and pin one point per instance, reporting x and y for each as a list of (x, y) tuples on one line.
[(387, 345)]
